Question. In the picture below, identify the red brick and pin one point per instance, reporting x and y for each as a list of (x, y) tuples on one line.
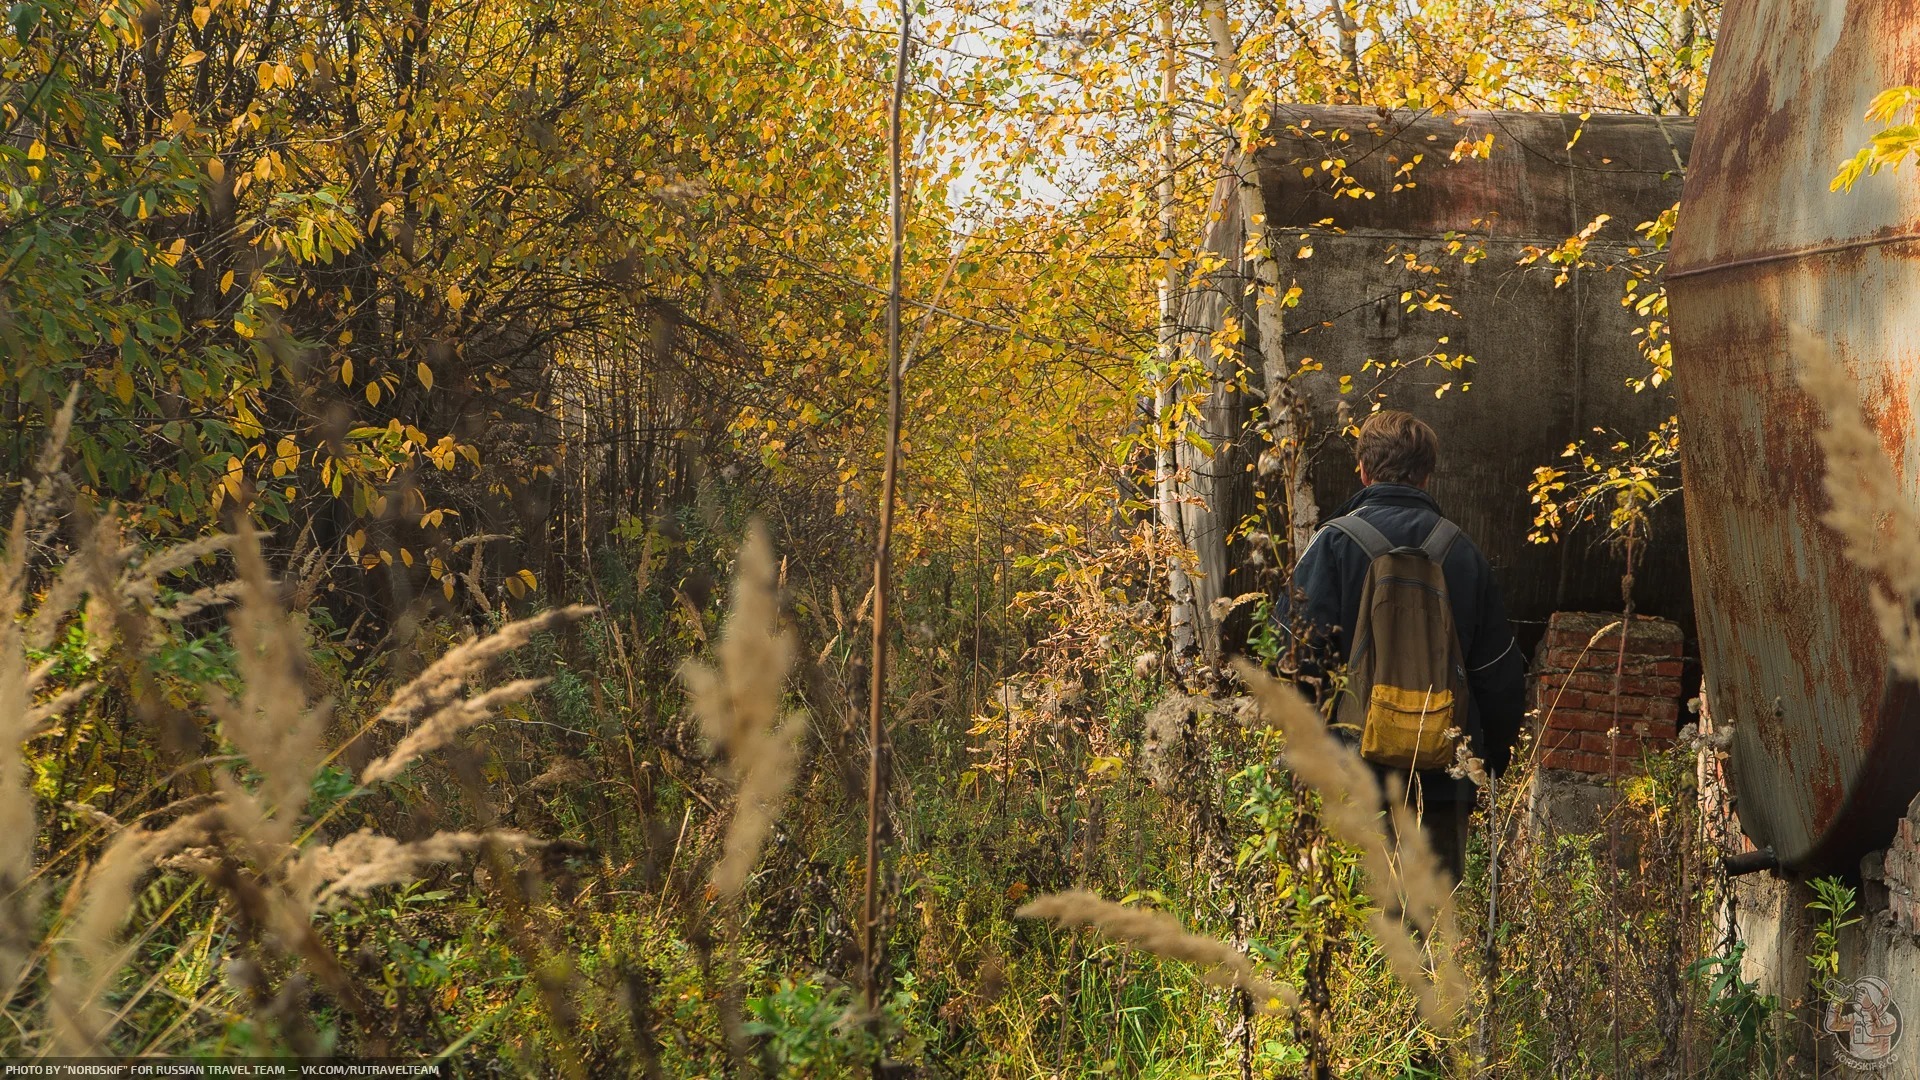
[(1588, 661), (1581, 720), (1560, 740), (1609, 646), (1578, 762), (1563, 658), (1561, 700), (1623, 745), (1625, 706), (1629, 684), (1629, 710)]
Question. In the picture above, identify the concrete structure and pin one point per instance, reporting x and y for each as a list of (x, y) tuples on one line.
[(1404, 255), (1870, 1030)]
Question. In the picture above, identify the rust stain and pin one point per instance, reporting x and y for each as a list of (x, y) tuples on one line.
[(1890, 411), (1828, 792)]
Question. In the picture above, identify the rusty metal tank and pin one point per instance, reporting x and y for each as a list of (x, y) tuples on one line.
[(1826, 751)]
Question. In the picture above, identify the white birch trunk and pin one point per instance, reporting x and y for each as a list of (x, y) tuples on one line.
[(1181, 626), (1286, 407)]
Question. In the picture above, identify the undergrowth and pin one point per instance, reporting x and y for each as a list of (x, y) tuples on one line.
[(515, 846)]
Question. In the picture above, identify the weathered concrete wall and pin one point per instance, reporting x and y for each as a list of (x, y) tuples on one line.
[(1771, 915), (1869, 1032), (1551, 362)]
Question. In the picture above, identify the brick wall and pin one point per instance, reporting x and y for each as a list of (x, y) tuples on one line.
[(1900, 872), (1574, 691)]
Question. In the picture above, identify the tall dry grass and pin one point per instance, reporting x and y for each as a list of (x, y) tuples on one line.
[(1163, 935), (250, 837), (738, 705), (1414, 923)]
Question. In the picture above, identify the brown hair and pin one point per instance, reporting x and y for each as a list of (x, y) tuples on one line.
[(1396, 448)]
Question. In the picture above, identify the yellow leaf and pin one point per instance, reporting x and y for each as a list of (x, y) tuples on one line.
[(456, 297), (425, 373), (226, 281), (216, 169), (37, 151), (527, 576), (123, 388), (264, 75), (346, 371), (345, 338), (515, 587), (406, 556), (201, 13), (373, 392), (446, 587), (192, 58), (356, 542)]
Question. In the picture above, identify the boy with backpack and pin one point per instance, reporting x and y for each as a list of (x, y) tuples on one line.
[(1397, 594)]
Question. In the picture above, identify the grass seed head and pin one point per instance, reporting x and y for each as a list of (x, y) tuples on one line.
[(1163, 935), (738, 705)]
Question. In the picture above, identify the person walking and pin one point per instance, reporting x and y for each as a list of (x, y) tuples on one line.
[(1398, 616)]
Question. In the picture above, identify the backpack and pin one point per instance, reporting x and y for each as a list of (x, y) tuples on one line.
[(1406, 683)]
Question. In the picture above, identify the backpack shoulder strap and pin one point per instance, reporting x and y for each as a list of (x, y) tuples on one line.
[(1440, 540), (1362, 532)]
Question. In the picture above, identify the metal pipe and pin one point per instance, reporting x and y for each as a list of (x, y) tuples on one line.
[(1751, 862)]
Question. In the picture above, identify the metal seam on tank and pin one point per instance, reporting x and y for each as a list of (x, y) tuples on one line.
[(1798, 253)]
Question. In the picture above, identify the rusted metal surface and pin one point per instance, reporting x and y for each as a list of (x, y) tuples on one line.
[(1552, 363), (1826, 750)]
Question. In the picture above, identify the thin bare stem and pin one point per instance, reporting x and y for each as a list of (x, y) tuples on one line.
[(883, 544)]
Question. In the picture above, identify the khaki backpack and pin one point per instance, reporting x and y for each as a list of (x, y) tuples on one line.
[(1406, 680)]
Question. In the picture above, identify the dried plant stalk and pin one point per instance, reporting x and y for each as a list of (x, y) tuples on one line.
[(738, 704), (1404, 875), (439, 729), (270, 722), (19, 902), (447, 677), (1164, 936), (1869, 509), (365, 861), (435, 691), (76, 988)]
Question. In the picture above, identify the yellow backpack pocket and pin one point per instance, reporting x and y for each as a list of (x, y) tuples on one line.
[(1408, 728)]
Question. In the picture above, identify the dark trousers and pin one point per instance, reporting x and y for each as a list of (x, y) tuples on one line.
[(1446, 827), (1445, 823)]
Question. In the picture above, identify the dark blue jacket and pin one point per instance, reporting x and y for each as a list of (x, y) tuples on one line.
[(1330, 576)]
